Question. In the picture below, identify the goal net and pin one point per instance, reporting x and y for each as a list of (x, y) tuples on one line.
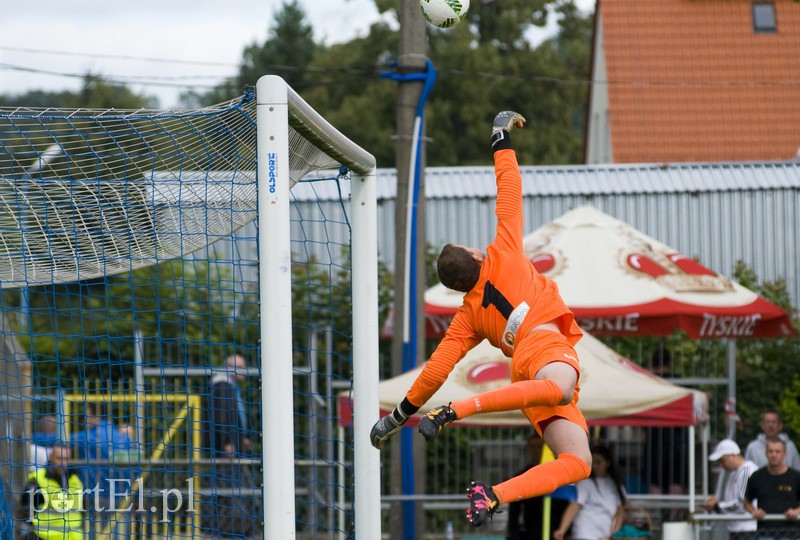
[(184, 293)]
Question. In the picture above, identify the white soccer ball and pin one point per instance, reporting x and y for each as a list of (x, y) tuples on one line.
[(444, 13)]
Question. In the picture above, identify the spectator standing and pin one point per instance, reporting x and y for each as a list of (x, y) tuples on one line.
[(776, 487), (526, 517), (54, 500), (229, 431), (597, 512), (771, 426), (731, 502), (234, 511), (109, 478)]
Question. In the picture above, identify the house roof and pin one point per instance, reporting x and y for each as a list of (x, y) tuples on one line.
[(690, 80), (560, 180)]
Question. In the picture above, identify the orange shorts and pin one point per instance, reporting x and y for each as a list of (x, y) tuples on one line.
[(535, 351)]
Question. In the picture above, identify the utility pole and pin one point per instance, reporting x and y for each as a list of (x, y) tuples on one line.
[(411, 58)]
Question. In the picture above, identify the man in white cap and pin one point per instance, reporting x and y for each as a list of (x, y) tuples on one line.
[(731, 502)]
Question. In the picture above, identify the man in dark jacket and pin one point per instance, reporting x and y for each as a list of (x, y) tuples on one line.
[(234, 511), (229, 431)]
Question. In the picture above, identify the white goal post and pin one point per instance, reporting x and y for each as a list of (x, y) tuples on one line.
[(281, 113), (127, 245)]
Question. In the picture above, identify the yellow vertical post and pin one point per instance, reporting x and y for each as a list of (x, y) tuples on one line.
[(547, 455), (194, 403)]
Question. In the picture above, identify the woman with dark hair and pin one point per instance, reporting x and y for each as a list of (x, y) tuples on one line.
[(595, 515)]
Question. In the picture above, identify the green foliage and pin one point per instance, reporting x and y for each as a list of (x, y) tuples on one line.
[(503, 23), (346, 89), (98, 94), (767, 376), (483, 67), (477, 80), (95, 93), (789, 406), (287, 52), (36, 98)]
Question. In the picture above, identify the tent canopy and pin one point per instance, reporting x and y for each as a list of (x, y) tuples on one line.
[(614, 391), (619, 281)]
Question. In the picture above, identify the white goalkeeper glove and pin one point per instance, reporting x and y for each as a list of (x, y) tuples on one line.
[(506, 120), (386, 427), (503, 123)]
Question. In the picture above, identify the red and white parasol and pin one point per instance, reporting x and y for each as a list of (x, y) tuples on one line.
[(619, 281)]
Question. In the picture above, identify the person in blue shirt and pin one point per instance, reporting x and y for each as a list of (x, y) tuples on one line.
[(104, 454)]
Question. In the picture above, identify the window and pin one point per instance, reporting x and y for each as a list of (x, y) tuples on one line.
[(764, 18)]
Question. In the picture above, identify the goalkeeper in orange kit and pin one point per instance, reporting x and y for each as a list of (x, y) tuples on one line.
[(521, 312)]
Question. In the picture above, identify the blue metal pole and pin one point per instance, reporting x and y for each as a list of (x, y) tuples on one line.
[(410, 338)]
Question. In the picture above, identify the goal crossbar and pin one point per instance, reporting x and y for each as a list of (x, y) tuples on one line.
[(311, 125)]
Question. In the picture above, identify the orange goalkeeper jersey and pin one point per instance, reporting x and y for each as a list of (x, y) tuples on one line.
[(509, 299)]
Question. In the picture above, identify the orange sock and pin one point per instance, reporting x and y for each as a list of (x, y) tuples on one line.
[(543, 479), (518, 395)]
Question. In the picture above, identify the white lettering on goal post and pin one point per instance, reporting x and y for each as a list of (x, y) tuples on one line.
[(272, 161)]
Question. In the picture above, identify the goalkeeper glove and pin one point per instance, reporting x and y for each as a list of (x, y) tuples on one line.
[(502, 124), (386, 427)]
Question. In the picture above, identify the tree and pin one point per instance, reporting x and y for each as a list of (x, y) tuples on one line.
[(485, 65), (85, 329), (477, 79), (503, 23), (287, 52), (766, 370), (345, 87), (94, 93), (99, 94)]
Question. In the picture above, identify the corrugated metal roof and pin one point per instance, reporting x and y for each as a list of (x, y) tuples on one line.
[(472, 182)]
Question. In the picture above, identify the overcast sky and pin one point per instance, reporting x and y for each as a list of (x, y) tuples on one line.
[(49, 44)]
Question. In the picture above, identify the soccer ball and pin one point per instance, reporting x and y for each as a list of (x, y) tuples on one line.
[(444, 13)]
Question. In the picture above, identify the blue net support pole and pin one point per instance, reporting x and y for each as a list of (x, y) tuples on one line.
[(410, 338)]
